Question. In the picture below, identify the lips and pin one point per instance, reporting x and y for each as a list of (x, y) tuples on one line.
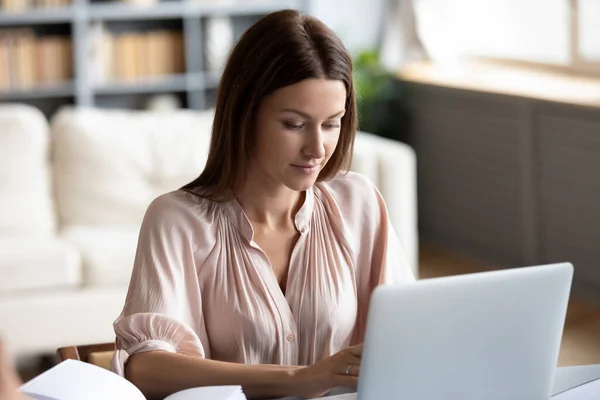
[(307, 169)]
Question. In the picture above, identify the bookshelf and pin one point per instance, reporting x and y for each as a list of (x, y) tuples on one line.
[(113, 52)]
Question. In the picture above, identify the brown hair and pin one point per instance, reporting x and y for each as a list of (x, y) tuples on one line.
[(281, 49)]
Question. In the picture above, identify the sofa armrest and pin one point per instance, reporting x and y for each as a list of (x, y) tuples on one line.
[(392, 166)]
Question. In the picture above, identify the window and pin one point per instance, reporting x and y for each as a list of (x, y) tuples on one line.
[(586, 33), (555, 32)]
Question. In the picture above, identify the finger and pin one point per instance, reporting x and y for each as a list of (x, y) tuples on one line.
[(356, 350), (350, 358), (346, 363), (346, 381), (349, 370)]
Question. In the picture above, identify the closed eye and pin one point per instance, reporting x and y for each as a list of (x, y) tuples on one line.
[(331, 126), (292, 126)]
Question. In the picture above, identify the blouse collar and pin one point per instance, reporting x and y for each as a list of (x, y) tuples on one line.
[(240, 220)]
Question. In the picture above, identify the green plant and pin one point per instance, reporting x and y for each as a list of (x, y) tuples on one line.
[(380, 98)]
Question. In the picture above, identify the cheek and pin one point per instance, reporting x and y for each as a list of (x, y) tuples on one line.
[(271, 156), (330, 144), (263, 151), (277, 146)]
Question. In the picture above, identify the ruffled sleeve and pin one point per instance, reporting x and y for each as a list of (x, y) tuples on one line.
[(163, 308)]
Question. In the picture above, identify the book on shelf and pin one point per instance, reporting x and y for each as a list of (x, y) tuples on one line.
[(28, 61), (15, 6), (77, 380), (133, 56)]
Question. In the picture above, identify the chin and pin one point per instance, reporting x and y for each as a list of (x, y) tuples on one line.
[(300, 185)]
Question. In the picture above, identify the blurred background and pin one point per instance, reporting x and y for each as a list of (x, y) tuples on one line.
[(481, 122)]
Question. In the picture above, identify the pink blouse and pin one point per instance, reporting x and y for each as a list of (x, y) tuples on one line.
[(201, 286)]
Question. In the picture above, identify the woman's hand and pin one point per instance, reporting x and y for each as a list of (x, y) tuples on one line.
[(339, 370), (9, 380)]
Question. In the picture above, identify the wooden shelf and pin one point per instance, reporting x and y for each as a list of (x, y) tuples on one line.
[(37, 16), (80, 20), (130, 12), (254, 7), (171, 83), (52, 91), (179, 9)]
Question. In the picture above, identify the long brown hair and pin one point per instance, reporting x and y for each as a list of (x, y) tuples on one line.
[(281, 49)]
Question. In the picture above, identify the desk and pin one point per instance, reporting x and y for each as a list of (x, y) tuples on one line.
[(566, 378)]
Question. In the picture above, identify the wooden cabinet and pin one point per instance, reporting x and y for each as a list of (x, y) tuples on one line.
[(567, 154), (508, 180)]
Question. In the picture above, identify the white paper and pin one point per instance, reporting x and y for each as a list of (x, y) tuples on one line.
[(338, 393), (210, 392), (77, 380), (587, 391), (346, 396)]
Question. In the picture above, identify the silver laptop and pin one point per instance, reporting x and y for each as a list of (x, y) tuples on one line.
[(485, 336)]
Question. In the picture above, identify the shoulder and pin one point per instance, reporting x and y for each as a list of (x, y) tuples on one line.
[(179, 209), (352, 190), (353, 200), (170, 205), (347, 182)]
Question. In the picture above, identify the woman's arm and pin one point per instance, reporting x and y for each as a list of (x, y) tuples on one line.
[(159, 373), (9, 379)]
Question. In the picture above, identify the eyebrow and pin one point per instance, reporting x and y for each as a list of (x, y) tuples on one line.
[(308, 116)]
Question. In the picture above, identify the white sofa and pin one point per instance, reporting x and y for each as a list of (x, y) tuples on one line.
[(72, 196)]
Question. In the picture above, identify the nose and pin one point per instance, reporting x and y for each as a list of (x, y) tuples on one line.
[(314, 144)]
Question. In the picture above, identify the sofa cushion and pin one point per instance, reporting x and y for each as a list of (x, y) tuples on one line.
[(37, 263), (107, 252), (26, 203), (110, 164), (364, 158)]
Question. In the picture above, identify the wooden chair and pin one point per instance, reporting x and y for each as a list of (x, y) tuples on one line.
[(98, 354)]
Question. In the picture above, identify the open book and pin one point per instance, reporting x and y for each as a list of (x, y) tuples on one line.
[(77, 380)]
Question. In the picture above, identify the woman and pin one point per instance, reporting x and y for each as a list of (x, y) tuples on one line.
[(259, 272)]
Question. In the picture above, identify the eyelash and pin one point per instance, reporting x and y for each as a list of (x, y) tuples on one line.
[(291, 126), (295, 127)]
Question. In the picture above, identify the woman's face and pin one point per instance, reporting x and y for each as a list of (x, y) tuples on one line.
[(297, 131)]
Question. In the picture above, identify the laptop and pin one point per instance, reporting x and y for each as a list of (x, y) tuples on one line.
[(485, 336)]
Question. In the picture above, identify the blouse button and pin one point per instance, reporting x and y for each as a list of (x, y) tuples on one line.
[(290, 337)]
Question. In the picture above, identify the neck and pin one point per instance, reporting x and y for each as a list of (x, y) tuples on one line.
[(273, 206)]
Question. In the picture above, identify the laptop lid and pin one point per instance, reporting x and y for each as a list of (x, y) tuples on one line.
[(492, 335)]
